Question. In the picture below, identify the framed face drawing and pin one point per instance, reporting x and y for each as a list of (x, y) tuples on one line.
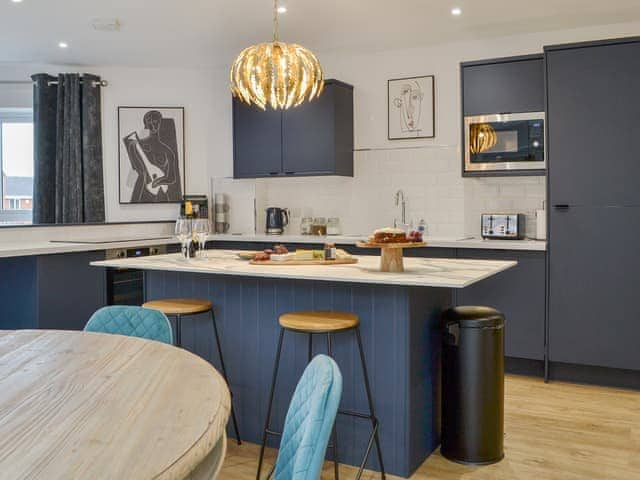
[(411, 107), (151, 154)]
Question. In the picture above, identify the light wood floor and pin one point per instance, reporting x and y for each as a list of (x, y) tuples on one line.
[(554, 431)]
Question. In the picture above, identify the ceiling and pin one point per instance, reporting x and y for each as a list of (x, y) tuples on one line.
[(212, 32)]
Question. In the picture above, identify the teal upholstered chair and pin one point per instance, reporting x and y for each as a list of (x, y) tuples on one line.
[(309, 422), (131, 321)]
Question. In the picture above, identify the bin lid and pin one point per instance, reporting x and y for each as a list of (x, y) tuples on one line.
[(474, 317)]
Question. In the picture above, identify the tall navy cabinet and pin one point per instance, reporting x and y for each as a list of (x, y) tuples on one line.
[(593, 113), (315, 138)]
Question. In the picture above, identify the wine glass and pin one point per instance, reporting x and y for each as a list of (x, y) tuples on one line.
[(201, 230), (183, 233)]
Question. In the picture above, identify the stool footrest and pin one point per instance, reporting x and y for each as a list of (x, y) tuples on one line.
[(365, 416)]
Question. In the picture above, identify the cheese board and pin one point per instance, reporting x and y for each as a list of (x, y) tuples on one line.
[(340, 261), (391, 256)]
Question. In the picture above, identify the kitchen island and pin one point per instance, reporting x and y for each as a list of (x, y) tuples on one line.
[(400, 324)]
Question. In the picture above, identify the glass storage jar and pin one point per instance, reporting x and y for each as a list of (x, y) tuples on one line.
[(319, 226), (306, 225), (333, 226)]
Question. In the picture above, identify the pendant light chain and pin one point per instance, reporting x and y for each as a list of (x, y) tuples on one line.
[(276, 26)]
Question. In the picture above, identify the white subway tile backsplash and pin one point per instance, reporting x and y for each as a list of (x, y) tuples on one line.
[(434, 189)]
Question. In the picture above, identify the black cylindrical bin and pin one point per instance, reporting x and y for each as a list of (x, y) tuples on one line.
[(473, 385)]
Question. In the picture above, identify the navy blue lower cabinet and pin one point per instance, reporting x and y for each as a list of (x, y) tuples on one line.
[(58, 292), (401, 336), (519, 293), (18, 289)]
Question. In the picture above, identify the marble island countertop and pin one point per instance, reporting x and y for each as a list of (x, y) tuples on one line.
[(423, 272)]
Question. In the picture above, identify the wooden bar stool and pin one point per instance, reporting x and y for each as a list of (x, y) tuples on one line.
[(180, 307), (325, 323)]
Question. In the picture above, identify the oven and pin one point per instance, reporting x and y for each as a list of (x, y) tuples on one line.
[(505, 143), (125, 286)]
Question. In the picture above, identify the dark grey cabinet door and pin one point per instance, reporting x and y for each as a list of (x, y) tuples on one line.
[(593, 119), (504, 86), (594, 286), (308, 136), (519, 293), (69, 289), (257, 141)]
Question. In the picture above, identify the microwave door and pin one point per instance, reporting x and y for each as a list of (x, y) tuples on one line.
[(504, 142)]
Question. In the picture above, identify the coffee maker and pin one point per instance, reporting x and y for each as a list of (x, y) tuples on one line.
[(277, 219)]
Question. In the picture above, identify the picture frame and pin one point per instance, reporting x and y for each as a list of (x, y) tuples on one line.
[(151, 155), (411, 112)]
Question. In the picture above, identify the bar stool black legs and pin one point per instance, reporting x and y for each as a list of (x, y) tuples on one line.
[(370, 416), (222, 366), (267, 422), (226, 379)]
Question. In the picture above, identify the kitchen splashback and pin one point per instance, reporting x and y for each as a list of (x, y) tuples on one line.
[(430, 178)]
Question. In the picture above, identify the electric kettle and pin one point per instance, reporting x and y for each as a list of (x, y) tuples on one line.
[(277, 219)]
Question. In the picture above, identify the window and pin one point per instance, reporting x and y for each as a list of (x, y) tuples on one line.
[(16, 164)]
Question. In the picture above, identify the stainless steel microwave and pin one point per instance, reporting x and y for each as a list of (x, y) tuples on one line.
[(506, 142)]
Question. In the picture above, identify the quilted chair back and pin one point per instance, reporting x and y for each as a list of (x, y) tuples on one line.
[(131, 321), (309, 421)]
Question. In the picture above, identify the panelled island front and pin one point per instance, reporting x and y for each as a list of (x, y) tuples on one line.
[(400, 325)]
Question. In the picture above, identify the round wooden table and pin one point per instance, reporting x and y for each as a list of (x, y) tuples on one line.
[(89, 405)]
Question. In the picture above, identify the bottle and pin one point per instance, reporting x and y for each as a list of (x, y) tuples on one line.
[(330, 251), (422, 228), (188, 209)]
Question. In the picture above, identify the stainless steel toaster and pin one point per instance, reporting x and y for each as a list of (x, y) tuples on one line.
[(508, 226)]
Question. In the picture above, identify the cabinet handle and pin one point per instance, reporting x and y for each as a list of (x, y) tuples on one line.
[(274, 173), (290, 173), (561, 207)]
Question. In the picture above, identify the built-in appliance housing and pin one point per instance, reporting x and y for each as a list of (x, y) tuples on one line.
[(517, 142), (125, 286)]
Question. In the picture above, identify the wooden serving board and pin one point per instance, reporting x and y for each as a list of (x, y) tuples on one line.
[(391, 245), (342, 261)]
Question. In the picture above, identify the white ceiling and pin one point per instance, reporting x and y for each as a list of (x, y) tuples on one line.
[(211, 32)]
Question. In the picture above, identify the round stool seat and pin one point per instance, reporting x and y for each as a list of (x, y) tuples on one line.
[(319, 321), (180, 306)]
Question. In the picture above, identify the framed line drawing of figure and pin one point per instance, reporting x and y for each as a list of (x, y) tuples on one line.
[(151, 162), (411, 108)]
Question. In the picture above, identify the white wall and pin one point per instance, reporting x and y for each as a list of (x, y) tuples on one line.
[(430, 172), (137, 87), (157, 87)]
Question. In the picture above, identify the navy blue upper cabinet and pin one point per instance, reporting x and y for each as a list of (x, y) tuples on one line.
[(257, 141), (594, 123), (505, 85), (315, 138)]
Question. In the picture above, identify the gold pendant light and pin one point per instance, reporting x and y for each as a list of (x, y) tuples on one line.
[(281, 75), (482, 137)]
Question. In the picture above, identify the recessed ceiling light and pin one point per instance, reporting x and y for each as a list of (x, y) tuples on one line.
[(282, 9), (63, 44), (16, 1), (456, 11)]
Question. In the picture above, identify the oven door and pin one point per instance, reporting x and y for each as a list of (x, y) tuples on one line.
[(506, 142)]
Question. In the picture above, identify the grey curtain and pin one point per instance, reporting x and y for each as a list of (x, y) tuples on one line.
[(68, 178)]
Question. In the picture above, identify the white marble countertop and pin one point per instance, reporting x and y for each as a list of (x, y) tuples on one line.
[(422, 272), (47, 247), (15, 248), (442, 242)]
